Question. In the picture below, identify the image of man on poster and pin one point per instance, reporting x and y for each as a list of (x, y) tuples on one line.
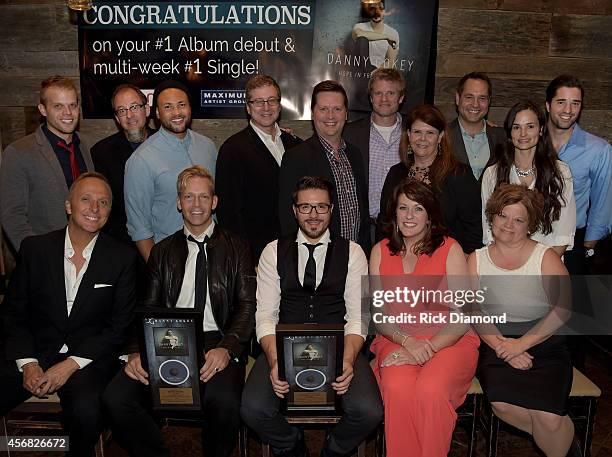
[(382, 39)]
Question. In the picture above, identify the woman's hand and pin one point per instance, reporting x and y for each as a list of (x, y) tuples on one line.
[(508, 348), (522, 361), (420, 349), (398, 357)]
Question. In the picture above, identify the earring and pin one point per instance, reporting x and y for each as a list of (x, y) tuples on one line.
[(439, 149), (409, 150)]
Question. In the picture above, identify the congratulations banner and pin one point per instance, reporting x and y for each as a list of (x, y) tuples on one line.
[(215, 47)]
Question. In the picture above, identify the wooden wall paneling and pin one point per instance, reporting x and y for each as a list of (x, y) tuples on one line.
[(12, 122), (67, 29), (595, 7), (541, 6), (581, 36), (41, 64), (493, 32), (469, 4), (523, 67), (597, 122), (28, 27)]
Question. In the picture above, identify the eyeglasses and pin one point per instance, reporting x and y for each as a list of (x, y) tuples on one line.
[(306, 208), (272, 102), (122, 112)]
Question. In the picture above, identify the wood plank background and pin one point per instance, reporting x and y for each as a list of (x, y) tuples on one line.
[(521, 44)]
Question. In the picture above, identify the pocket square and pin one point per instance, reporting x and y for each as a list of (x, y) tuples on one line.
[(99, 286)]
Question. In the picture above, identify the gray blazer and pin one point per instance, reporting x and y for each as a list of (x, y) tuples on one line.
[(495, 135), (33, 187)]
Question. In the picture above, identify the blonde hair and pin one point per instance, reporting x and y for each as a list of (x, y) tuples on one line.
[(56, 81), (197, 171)]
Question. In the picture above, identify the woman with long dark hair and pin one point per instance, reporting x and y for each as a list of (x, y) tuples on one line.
[(529, 159), (426, 156)]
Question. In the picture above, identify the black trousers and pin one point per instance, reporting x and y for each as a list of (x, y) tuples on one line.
[(362, 405), (127, 403), (80, 399)]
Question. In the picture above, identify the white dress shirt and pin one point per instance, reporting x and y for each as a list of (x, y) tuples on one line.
[(186, 298), (269, 291), (274, 144), (72, 282)]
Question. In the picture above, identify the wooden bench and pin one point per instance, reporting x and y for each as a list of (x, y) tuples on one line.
[(583, 408)]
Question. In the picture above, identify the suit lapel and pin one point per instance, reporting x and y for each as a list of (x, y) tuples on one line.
[(458, 144), (96, 264), (56, 273), (261, 148), (49, 155)]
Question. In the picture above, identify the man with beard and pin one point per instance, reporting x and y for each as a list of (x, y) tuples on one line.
[(38, 170), (474, 141), (110, 154), (151, 171), (383, 40), (590, 160), (293, 288)]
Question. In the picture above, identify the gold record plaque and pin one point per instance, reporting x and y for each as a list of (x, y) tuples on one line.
[(171, 352), (310, 359)]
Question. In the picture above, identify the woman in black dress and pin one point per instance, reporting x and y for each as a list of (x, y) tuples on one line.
[(426, 156)]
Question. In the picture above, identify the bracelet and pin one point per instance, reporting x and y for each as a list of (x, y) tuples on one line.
[(404, 340), (400, 334)]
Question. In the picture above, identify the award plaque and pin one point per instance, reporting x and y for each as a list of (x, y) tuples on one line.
[(171, 350), (310, 359)]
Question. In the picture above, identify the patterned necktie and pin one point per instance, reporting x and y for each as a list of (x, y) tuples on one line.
[(201, 276), (74, 166), (310, 273)]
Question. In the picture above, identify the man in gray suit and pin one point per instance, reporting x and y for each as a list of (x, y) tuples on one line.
[(37, 170), (474, 141)]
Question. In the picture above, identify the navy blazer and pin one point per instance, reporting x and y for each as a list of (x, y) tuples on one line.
[(36, 321), (247, 187)]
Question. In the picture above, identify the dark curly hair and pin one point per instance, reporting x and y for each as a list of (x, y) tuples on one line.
[(548, 181), (425, 196)]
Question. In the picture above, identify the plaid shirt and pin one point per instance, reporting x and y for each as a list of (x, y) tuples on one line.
[(383, 156), (346, 190)]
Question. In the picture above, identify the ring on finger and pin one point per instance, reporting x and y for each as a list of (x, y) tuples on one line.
[(216, 369), (395, 355)]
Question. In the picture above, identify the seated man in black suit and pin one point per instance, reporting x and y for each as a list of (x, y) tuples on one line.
[(249, 160), (67, 314), (205, 267), (327, 155), (311, 276)]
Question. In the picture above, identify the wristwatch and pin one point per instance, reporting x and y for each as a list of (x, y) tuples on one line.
[(589, 252)]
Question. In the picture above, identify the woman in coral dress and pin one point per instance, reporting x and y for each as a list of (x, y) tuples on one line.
[(426, 364)]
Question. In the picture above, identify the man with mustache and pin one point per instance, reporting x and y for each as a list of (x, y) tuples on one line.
[(151, 171), (38, 170), (110, 154), (311, 276)]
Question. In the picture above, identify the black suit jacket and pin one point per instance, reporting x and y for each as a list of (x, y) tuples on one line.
[(495, 135), (109, 156), (247, 187), (309, 159), (37, 324), (357, 133)]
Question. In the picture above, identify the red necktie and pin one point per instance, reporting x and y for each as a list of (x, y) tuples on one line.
[(74, 166)]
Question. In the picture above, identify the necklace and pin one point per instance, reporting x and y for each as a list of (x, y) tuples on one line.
[(419, 173), (525, 173)]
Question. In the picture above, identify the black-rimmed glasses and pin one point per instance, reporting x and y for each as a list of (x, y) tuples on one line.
[(122, 112), (272, 101), (306, 208)]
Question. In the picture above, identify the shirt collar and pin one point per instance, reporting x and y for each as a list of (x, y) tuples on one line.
[(328, 147), (69, 250), (464, 132), (398, 121), (184, 142), (277, 131), (207, 233), (325, 238), (54, 139)]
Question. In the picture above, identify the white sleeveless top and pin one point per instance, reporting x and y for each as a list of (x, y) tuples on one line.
[(518, 293)]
